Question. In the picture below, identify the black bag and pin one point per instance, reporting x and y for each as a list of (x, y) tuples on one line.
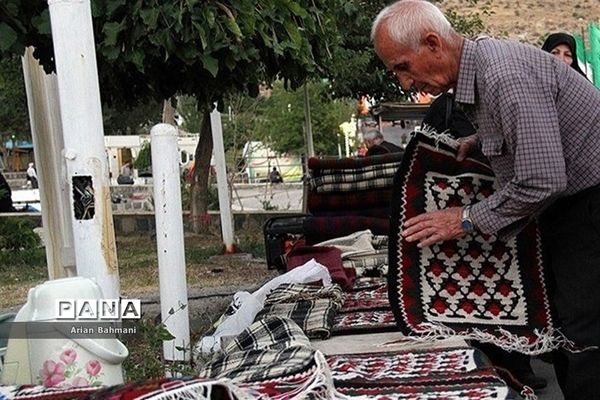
[(278, 231)]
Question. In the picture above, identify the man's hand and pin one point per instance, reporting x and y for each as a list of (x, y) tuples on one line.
[(466, 146), (433, 227)]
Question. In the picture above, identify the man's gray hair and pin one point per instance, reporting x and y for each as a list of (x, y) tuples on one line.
[(407, 20), (372, 134)]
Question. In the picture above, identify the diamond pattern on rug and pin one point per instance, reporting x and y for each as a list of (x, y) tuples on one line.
[(478, 286)]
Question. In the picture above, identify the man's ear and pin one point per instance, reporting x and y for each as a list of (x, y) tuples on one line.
[(432, 41)]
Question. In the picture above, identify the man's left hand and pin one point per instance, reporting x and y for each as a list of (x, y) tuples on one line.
[(434, 227)]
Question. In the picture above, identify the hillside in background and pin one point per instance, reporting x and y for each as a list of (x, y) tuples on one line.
[(530, 20)]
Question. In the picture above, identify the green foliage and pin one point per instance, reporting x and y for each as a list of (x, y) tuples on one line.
[(207, 49), (14, 119), (18, 234), (281, 122), (143, 162), (146, 360)]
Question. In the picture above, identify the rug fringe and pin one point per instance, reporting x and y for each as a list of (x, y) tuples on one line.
[(546, 339)]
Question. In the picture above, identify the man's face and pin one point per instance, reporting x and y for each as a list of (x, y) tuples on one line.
[(428, 69)]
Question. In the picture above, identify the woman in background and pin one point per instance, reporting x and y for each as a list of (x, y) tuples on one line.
[(563, 46)]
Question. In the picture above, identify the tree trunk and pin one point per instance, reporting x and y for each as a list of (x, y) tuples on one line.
[(168, 114), (200, 181)]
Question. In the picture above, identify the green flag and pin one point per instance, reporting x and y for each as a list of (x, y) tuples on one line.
[(594, 60)]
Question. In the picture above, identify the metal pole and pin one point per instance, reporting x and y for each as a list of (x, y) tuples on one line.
[(220, 167), (169, 241), (46, 131), (87, 169), (309, 134)]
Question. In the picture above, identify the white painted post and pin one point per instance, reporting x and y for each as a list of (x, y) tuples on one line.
[(223, 189), (87, 169), (169, 241), (46, 131)]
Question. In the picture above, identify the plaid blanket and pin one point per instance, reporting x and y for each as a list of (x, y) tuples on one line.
[(353, 175), (368, 265), (381, 182), (373, 212), (260, 365), (320, 229), (270, 333), (316, 164), (292, 292), (315, 317)]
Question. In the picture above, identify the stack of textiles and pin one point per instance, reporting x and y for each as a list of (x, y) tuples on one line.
[(348, 195)]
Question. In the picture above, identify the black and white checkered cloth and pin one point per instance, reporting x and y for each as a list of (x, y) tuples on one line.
[(292, 292), (354, 175), (315, 317), (352, 186), (260, 365), (270, 333)]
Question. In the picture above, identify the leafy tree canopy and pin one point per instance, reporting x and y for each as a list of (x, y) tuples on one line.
[(204, 48), (14, 118)]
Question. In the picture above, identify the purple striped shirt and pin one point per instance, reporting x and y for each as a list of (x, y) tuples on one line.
[(538, 121)]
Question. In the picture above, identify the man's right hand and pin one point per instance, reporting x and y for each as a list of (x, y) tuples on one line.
[(466, 146)]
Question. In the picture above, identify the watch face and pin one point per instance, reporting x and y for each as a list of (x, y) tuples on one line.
[(467, 226)]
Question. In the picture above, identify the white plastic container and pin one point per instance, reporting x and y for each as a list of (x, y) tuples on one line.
[(61, 360)]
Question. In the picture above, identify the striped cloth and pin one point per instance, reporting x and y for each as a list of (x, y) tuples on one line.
[(317, 164), (353, 175), (292, 292), (269, 333), (352, 186), (320, 229), (315, 317)]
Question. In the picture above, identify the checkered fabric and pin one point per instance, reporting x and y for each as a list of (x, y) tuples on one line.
[(353, 175), (315, 317), (320, 202), (477, 286), (268, 333), (355, 186), (380, 241), (260, 365), (318, 164), (38, 392), (292, 292)]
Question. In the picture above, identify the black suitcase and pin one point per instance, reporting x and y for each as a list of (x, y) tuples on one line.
[(277, 231)]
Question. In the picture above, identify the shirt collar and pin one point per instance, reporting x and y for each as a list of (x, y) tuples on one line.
[(465, 86)]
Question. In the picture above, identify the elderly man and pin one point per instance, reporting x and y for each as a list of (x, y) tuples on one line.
[(538, 122), (376, 144)]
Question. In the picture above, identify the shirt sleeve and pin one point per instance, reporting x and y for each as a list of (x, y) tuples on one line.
[(525, 115)]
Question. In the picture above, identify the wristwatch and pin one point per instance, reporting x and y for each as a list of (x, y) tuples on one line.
[(466, 222)]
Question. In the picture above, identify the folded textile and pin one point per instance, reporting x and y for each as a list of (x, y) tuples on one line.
[(316, 164), (369, 265), (315, 317), (378, 212), (329, 257), (39, 392), (260, 365), (270, 333), (353, 175), (357, 243), (292, 292), (368, 299), (368, 199), (352, 186), (319, 229), (380, 241), (364, 321)]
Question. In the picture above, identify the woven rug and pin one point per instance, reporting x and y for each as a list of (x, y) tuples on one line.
[(364, 321), (460, 373), (368, 299), (477, 287)]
